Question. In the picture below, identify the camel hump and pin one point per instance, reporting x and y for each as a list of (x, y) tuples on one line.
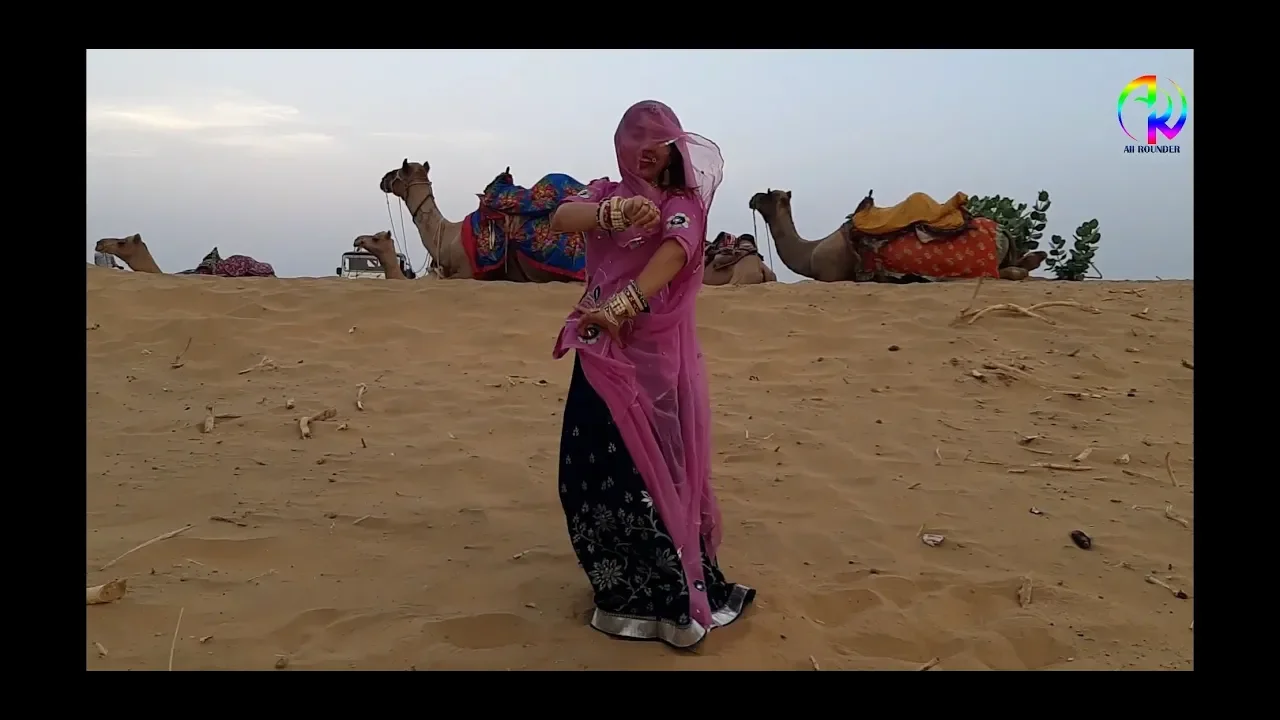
[(917, 210)]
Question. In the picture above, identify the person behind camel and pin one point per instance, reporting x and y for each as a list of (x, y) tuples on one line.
[(734, 260), (635, 454)]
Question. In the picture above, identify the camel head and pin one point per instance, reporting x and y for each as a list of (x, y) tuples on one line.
[(1032, 260), (378, 244), (398, 181), (125, 248), (768, 203)]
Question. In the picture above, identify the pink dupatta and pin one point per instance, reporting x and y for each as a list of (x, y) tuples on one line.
[(656, 386)]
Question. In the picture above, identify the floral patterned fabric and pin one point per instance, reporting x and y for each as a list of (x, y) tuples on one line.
[(511, 216), (619, 538), (973, 253)]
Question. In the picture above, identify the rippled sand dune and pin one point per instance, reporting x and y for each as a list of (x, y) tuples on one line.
[(428, 532)]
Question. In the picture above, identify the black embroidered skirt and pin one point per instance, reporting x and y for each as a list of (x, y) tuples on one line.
[(621, 542)]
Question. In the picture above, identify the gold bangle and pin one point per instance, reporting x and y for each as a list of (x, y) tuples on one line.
[(616, 218), (638, 297), (602, 214), (620, 307)]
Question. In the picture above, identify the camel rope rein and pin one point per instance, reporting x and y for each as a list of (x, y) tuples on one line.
[(755, 230)]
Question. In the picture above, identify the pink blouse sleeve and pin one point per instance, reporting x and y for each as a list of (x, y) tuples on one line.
[(594, 192), (683, 222)]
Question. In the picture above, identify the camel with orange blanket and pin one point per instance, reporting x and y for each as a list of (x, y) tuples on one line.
[(917, 239)]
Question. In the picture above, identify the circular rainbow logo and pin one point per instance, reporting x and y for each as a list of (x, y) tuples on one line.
[(1157, 123)]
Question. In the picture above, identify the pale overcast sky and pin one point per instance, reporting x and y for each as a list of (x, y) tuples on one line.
[(278, 154)]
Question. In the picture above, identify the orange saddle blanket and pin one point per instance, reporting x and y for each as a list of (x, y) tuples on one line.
[(918, 210)]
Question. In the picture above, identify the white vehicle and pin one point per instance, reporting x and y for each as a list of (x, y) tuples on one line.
[(363, 265)]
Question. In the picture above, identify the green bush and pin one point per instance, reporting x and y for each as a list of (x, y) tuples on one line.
[(1024, 227)]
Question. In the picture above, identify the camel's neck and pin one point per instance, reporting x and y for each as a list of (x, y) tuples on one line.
[(142, 262), (432, 226), (794, 251), (391, 266)]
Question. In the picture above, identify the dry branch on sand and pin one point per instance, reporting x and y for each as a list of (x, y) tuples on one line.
[(173, 644), (304, 422), (1168, 467), (152, 541), (360, 389), (209, 419), (1175, 591), (177, 361), (265, 363), (1031, 311), (1060, 466), (968, 313), (106, 592)]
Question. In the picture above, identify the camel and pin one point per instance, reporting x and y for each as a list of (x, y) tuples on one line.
[(443, 238), (738, 265), (383, 247), (833, 259), (137, 256), (132, 251)]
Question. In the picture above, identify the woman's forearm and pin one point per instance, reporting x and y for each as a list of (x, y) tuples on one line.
[(663, 266), (575, 217)]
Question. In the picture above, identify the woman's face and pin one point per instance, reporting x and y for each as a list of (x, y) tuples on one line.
[(653, 161)]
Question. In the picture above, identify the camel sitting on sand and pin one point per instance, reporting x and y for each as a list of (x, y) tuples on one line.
[(382, 246), (132, 251), (137, 256), (842, 254), (734, 260), (443, 238)]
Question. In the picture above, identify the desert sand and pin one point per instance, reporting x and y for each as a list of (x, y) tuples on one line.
[(428, 533)]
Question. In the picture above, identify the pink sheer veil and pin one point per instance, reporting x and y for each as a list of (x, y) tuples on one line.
[(650, 123)]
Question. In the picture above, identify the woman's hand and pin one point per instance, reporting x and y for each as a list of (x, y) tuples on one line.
[(641, 211), (605, 322)]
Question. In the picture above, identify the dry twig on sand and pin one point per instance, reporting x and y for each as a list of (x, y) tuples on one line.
[(232, 521), (173, 644), (208, 419), (1176, 592), (1135, 473), (814, 662), (152, 541), (177, 361), (304, 422), (1169, 513), (1188, 365), (1031, 311), (106, 592), (265, 363), (1060, 466), (969, 308), (931, 664), (360, 395), (1084, 455), (1168, 467)]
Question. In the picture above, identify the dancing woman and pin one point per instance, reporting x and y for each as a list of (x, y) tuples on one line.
[(635, 453)]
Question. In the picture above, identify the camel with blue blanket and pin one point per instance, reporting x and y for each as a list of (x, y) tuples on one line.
[(507, 238)]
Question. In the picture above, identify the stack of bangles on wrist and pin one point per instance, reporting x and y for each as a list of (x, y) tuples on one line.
[(609, 215), (625, 304)]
